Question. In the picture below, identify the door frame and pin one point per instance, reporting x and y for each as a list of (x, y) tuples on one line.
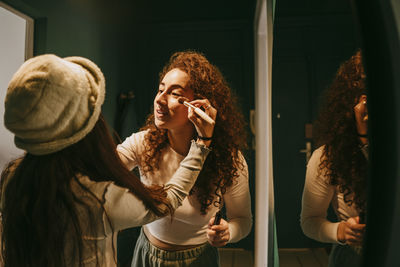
[(29, 32)]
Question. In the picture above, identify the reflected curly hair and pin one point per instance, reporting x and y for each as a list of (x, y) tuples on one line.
[(224, 161), (342, 160)]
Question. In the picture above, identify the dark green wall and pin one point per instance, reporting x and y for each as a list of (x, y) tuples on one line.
[(62, 29), (121, 38)]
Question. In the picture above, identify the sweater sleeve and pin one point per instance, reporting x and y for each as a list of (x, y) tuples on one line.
[(317, 195), (124, 210), (129, 149), (238, 206)]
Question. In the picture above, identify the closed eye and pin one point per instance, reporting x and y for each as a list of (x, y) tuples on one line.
[(176, 94)]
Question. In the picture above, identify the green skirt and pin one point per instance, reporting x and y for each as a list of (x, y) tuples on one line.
[(344, 256), (148, 255)]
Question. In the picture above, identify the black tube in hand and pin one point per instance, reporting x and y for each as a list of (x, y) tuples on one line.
[(217, 219)]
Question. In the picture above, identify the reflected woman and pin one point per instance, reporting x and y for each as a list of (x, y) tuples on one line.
[(189, 238), (337, 171)]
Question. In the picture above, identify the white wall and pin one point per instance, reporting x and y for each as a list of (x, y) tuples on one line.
[(12, 55)]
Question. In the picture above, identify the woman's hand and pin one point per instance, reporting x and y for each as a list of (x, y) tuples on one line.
[(203, 128), (361, 116), (218, 235), (351, 231)]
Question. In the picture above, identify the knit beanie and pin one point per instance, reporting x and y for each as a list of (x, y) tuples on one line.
[(53, 102)]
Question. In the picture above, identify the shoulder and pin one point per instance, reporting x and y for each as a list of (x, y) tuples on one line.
[(240, 162), (8, 172), (96, 188), (6, 176), (314, 172), (241, 167), (316, 157), (136, 138), (133, 142)]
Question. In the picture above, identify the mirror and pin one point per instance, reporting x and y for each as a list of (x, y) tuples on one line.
[(379, 28), (311, 40)]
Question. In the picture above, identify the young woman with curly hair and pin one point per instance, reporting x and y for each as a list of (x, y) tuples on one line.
[(337, 171), (64, 201), (189, 238)]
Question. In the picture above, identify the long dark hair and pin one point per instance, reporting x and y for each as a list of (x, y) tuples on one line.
[(40, 209), (224, 161), (342, 160)]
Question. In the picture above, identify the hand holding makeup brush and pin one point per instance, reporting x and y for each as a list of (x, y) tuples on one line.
[(218, 235), (203, 116)]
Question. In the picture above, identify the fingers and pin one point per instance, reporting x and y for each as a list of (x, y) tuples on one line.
[(206, 106), (361, 115), (361, 110), (353, 223), (204, 127), (193, 117), (211, 222), (218, 235), (353, 231), (217, 238)]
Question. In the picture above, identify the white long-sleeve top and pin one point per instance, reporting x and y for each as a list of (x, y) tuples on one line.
[(317, 195), (188, 226)]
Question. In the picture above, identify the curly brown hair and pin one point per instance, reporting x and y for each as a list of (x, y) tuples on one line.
[(342, 160), (229, 138)]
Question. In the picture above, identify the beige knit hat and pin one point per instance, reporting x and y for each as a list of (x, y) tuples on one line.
[(53, 102)]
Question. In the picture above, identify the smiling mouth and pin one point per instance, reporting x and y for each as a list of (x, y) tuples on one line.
[(160, 113)]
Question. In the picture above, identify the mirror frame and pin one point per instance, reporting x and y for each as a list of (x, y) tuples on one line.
[(381, 51)]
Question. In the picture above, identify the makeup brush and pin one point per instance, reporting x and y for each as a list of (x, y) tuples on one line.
[(197, 110)]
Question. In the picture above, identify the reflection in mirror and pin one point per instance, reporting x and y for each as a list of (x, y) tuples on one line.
[(311, 41), (337, 171)]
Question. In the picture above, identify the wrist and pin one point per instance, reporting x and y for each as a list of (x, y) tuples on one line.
[(362, 135), (206, 143), (205, 138)]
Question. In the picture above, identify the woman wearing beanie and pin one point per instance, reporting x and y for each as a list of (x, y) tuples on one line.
[(190, 237), (64, 201)]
